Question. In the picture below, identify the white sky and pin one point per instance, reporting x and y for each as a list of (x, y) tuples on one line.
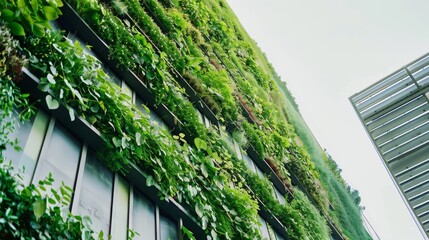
[(329, 50)]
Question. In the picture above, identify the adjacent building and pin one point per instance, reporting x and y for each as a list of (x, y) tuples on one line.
[(395, 114)]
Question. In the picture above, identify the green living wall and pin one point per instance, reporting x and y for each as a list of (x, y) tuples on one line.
[(202, 43)]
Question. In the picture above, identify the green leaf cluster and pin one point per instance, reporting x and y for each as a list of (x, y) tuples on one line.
[(25, 17)]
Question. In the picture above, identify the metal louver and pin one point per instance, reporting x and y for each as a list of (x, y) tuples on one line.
[(395, 114)]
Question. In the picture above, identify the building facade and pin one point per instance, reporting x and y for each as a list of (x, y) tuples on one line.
[(394, 112), (94, 145)]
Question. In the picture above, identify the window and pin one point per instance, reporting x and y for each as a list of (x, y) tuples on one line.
[(280, 197), (61, 158), (30, 135), (96, 194), (128, 91), (249, 162), (264, 229), (237, 149), (143, 217), (168, 228), (156, 120), (120, 209)]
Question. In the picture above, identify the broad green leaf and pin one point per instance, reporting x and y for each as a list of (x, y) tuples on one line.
[(51, 102), (50, 13), (150, 181), (204, 170), (16, 29), (71, 113), (200, 144), (38, 30), (138, 138), (199, 210), (124, 143), (35, 5), (7, 15), (188, 233), (39, 207), (20, 3), (218, 182), (116, 141), (51, 79), (53, 70)]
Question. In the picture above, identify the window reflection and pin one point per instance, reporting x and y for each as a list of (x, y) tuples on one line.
[(143, 217), (96, 194), (30, 135), (61, 159), (168, 228), (264, 230), (120, 209), (279, 196)]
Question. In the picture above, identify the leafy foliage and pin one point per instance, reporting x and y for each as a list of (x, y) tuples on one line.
[(33, 212), (201, 41), (25, 17)]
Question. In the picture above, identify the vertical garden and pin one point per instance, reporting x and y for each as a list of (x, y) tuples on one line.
[(235, 149)]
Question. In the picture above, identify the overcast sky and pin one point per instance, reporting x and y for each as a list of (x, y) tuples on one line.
[(328, 50)]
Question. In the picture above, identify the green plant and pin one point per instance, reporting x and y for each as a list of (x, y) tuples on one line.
[(34, 213), (189, 34), (25, 17), (11, 97)]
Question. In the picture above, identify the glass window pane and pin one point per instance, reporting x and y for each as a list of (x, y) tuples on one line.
[(278, 237), (127, 90), (237, 149), (168, 228), (141, 106), (200, 116), (156, 120), (279, 196), (95, 198), (30, 135), (264, 230), (143, 217), (259, 171), (22, 131), (207, 122), (249, 162), (120, 209), (61, 159)]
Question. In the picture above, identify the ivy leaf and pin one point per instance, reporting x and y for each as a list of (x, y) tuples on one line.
[(204, 170), (39, 208), (138, 138), (150, 181), (116, 141), (16, 29), (51, 79), (188, 233), (51, 102), (71, 113), (50, 13), (35, 5), (38, 29), (7, 15), (204, 221), (53, 70), (200, 144), (218, 182), (199, 210)]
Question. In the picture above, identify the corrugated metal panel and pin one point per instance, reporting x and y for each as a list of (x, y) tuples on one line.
[(395, 113)]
